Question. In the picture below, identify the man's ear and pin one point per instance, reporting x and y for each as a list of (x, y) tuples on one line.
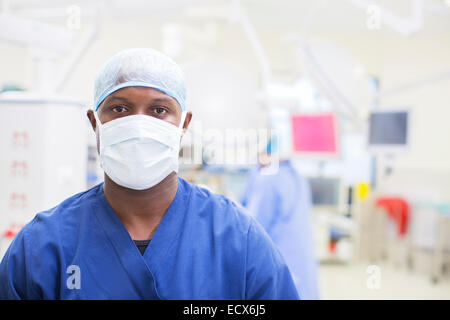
[(93, 121), (90, 115), (187, 120)]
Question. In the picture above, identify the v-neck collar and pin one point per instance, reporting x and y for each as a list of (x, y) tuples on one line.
[(143, 268), (168, 230)]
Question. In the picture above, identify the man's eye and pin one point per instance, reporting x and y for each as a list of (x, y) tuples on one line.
[(160, 110), (119, 109)]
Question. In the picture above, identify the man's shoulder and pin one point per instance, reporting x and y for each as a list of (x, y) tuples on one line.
[(208, 197), (48, 228), (205, 203), (225, 214), (65, 211)]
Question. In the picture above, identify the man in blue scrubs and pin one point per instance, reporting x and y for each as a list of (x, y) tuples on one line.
[(144, 233)]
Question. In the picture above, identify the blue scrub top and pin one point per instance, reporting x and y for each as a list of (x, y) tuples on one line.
[(281, 203), (205, 247)]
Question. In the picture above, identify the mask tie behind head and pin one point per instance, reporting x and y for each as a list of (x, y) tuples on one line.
[(183, 119)]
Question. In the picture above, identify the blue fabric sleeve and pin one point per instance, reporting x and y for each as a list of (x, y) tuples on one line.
[(267, 275), (13, 270)]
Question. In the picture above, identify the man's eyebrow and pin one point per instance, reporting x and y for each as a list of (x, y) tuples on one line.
[(118, 98), (164, 99)]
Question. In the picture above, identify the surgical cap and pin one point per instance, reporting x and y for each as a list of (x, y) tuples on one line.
[(142, 67)]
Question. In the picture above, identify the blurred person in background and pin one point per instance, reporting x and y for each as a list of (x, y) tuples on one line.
[(281, 202)]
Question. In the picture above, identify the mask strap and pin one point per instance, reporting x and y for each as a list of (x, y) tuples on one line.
[(97, 120), (183, 118)]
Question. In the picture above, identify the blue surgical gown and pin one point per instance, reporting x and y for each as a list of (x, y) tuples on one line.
[(281, 202), (205, 247)]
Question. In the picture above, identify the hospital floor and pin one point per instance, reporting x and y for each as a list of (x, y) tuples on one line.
[(351, 281)]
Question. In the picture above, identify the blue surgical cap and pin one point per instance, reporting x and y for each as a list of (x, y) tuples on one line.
[(141, 67)]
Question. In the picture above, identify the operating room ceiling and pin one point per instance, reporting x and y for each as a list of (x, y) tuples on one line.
[(348, 16)]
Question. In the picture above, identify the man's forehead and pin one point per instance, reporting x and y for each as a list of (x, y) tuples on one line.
[(129, 94), (141, 91)]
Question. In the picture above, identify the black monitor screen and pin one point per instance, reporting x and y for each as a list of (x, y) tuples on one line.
[(388, 128), (325, 191)]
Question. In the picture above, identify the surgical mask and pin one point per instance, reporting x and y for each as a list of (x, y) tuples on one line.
[(139, 151)]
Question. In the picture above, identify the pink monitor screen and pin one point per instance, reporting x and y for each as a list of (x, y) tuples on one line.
[(314, 133)]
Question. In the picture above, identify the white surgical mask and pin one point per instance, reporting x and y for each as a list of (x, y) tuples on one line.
[(139, 151)]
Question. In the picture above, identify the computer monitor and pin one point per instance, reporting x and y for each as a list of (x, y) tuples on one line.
[(325, 191), (388, 129), (315, 134)]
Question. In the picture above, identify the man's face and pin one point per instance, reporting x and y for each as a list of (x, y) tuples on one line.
[(139, 101)]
